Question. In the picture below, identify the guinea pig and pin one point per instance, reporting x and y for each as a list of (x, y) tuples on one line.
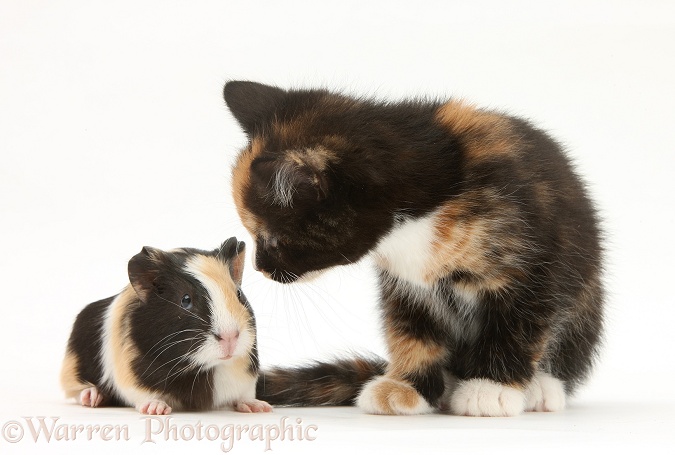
[(180, 336)]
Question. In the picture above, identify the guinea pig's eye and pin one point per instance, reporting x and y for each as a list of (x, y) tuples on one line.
[(239, 294), (186, 302)]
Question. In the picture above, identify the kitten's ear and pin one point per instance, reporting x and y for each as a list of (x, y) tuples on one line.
[(252, 104), (144, 269), (290, 182), (233, 252)]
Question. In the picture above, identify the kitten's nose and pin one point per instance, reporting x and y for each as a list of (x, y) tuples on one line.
[(228, 343)]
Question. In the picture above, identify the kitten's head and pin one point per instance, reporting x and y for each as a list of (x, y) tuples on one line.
[(304, 188)]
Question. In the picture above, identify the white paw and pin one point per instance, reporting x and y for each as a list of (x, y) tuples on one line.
[(486, 398), (384, 395), (253, 406), (154, 407), (545, 394), (91, 397)]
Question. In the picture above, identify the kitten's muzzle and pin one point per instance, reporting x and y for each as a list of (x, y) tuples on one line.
[(281, 276)]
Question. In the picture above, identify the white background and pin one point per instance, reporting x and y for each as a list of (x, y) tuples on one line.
[(114, 135)]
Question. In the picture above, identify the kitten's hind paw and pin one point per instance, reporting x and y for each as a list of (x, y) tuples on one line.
[(545, 394), (154, 407), (486, 398), (253, 406), (384, 395), (91, 397)]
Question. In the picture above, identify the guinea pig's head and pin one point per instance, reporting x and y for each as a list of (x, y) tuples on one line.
[(192, 310)]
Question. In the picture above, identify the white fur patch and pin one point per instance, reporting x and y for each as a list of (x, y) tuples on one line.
[(222, 320), (107, 361), (371, 397), (283, 187), (406, 251), (111, 376), (545, 394), (486, 398), (231, 385), (308, 277), (109, 373)]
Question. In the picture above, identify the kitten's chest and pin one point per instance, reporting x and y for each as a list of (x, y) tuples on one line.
[(424, 250), (420, 255), (406, 251)]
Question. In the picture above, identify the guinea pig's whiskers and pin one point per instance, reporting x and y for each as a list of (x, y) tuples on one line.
[(187, 367), (166, 338), (193, 314), (173, 343), (195, 378), (175, 359)]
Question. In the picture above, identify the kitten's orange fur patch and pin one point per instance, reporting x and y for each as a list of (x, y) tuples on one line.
[(317, 157), (392, 392), (410, 355), (458, 245), (462, 241), (241, 181), (485, 134)]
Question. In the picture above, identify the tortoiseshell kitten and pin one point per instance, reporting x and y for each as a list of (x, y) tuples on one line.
[(486, 244)]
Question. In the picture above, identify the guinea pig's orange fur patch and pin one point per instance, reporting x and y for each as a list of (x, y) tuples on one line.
[(124, 352), (69, 377), (218, 274)]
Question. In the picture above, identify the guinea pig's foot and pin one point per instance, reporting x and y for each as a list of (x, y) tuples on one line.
[(91, 397), (154, 407), (253, 406)]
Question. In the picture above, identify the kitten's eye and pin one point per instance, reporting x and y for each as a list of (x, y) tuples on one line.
[(186, 302)]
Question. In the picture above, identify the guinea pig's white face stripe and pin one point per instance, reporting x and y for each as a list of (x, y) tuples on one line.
[(227, 313)]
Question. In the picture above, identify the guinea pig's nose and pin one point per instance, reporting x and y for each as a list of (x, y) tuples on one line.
[(228, 343)]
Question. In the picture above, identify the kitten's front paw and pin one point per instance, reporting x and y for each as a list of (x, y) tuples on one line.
[(154, 407), (486, 398), (545, 394), (253, 406), (91, 397), (384, 395)]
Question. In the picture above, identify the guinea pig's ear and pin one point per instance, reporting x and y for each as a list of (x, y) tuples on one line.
[(252, 104), (237, 263), (144, 268), (233, 252)]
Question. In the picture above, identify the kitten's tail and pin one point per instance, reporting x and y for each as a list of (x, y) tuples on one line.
[(336, 383)]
